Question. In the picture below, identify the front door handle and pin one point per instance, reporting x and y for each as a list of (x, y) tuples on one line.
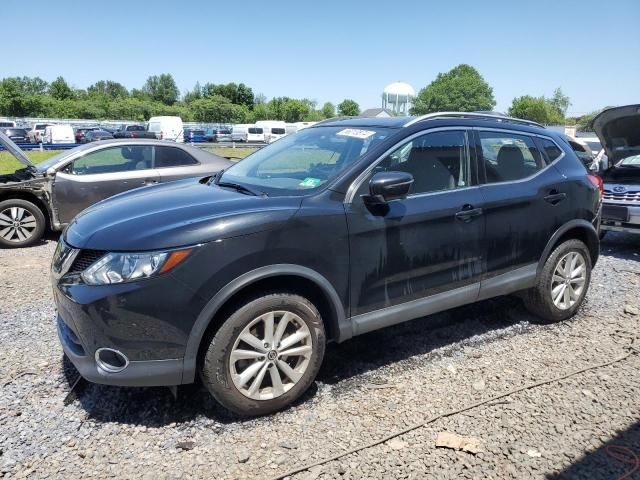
[(468, 213), (555, 197), (149, 181)]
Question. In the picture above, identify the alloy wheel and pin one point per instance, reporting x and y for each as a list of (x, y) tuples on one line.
[(17, 224), (270, 355), (568, 281)]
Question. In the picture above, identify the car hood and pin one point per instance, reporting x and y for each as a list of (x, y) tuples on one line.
[(175, 214), (619, 131), (15, 150)]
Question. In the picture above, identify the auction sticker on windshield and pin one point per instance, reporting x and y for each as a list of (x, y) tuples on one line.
[(356, 133), (310, 182)]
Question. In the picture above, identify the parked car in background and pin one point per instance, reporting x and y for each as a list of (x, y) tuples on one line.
[(97, 136), (194, 136), (218, 135), (34, 135), (133, 131), (58, 134), (273, 129), (592, 142), (581, 149), (619, 132), (343, 228), (247, 133), (80, 133), (18, 135), (50, 194), (167, 128), (7, 124)]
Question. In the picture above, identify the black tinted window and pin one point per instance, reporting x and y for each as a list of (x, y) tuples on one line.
[(509, 156), (551, 149), (173, 157), (437, 161)]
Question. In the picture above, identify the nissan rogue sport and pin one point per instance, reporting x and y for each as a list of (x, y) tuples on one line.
[(351, 225)]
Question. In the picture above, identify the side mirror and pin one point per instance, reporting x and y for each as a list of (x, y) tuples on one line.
[(51, 172), (387, 186)]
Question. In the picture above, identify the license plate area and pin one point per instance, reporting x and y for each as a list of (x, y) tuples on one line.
[(615, 212)]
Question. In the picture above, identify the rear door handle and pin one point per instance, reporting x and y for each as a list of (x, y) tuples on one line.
[(149, 181), (468, 213), (555, 197)]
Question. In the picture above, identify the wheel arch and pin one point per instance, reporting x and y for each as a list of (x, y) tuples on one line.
[(283, 277), (578, 229), (30, 197)]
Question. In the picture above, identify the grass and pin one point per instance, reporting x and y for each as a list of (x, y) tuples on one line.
[(8, 163), (229, 152)]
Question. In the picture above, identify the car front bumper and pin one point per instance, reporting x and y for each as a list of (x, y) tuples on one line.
[(147, 322)]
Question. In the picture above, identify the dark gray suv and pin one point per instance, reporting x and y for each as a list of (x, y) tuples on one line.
[(346, 227)]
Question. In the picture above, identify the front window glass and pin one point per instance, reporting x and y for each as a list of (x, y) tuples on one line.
[(437, 161), (304, 161), (114, 159)]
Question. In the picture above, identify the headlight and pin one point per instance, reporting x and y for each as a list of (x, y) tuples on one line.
[(128, 267)]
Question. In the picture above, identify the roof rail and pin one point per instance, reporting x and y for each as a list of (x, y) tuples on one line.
[(486, 116)]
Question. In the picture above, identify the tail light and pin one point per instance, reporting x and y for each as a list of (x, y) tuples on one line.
[(133, 135), (597, 181)]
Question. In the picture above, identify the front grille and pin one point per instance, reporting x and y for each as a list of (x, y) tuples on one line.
[(85, 259), (622, 197)]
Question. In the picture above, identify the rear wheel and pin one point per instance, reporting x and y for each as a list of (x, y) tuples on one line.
[(562, 283), (21, 223), (265, 355)]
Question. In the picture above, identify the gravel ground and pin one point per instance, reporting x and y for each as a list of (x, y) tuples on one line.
[(369, 387)]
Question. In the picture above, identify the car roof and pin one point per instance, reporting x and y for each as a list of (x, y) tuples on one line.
[(469, 118)]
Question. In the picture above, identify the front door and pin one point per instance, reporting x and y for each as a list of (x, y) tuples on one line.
[(101, 174), (430, 242)]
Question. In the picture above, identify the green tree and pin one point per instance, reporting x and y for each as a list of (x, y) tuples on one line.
[(109, 89), (192, 95), (560, 101), (462, 89), (60, 89), (537, 109), (34, 86), (328, 110), (348, 108), (238, 94), (162, 88), (294, 111)]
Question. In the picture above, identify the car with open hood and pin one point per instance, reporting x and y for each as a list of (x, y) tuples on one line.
[(619, 131), (347, 226), (48, 195)]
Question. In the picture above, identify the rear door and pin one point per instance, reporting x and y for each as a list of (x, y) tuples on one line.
[(523, 196), (100, 174)]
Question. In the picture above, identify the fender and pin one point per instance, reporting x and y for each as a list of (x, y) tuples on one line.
[(341, 324), (588, 228)]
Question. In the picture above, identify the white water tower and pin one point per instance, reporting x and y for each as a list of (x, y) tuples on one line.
[(398, 97)]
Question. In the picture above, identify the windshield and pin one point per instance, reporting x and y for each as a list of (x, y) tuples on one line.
[(305, 160)]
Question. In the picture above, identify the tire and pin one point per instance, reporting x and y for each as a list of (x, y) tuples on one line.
[(539, 300), (223, 376), (31, 223)]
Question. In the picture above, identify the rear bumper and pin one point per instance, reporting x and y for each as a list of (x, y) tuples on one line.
[(147, 373)]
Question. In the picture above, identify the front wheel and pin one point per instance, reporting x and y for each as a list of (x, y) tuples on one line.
[(21, 223), (265, 355), (562, 283)]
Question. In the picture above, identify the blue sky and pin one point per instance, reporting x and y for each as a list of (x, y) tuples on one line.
[(330, 50)]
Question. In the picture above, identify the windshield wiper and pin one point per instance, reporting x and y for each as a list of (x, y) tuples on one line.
[(242, 188)]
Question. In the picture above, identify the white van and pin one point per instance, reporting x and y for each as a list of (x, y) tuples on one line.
[(7, 124), (167, 128), (58, 134), (273, 129), (246, 132)]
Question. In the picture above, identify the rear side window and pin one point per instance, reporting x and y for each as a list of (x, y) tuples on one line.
[(551, 149), (507, 157), (173, 157)]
